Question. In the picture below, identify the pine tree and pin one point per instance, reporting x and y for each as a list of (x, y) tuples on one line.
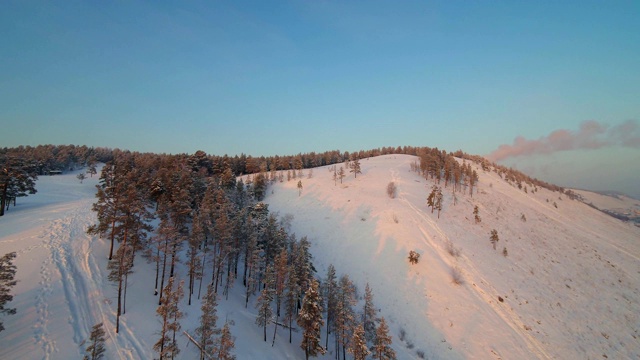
[(223, 237), (494, 238), (91, 166), (252, 264), (170, 313), (345, 316), (341, 174), (107, 207), (175, 215), (119, 267), (299, 187), (358, 344), (297, 163), (476, 214), (310, 320), (302, 260), (431, 199), (438, 201), (355, 168), (473, 180), (265, 312), (291, 298), (369, 313), (227, 343), (7, 275), (381, 348), (280, 273), (95, 350), (197, 242), (207, 329), (260, 187), (331, 297)]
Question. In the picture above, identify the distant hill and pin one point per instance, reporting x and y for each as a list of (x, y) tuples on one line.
[(614, 203)]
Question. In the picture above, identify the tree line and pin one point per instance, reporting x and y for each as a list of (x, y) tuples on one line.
[(23, 164)]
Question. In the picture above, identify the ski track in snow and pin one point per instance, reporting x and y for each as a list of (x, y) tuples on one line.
[(58, 241), (70, 255)]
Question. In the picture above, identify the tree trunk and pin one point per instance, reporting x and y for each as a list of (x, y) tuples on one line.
[(344, 350), (192, 262), (163, 332), (164, 266), (3, 197), (155, 290), (173, 259), (290, 328), (275, 328), (124, 296), (213, 260), (204, 257), (326, 342), (120, 276), (113, 236), (265, 329), (246, 265)]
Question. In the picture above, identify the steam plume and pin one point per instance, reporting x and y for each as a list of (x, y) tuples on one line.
[(591, 135)]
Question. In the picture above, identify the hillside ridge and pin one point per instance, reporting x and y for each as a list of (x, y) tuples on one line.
[(552, 243)]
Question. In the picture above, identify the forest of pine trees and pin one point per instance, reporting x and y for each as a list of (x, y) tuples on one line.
[(221, 235)]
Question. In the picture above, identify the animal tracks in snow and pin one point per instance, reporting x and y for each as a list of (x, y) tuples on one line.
[(41, 327)]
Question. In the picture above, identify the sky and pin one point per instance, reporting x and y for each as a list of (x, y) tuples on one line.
[(495, 78)]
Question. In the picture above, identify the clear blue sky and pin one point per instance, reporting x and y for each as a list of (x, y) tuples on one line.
[(283, 77)]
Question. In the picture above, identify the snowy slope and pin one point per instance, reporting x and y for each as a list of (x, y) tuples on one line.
[(569, 283), (63, 288)]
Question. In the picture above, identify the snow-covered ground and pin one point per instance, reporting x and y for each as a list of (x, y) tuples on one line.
[(569, 285)]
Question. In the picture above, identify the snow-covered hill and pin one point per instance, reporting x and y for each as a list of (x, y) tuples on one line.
[(618, 205), (569, 284)]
